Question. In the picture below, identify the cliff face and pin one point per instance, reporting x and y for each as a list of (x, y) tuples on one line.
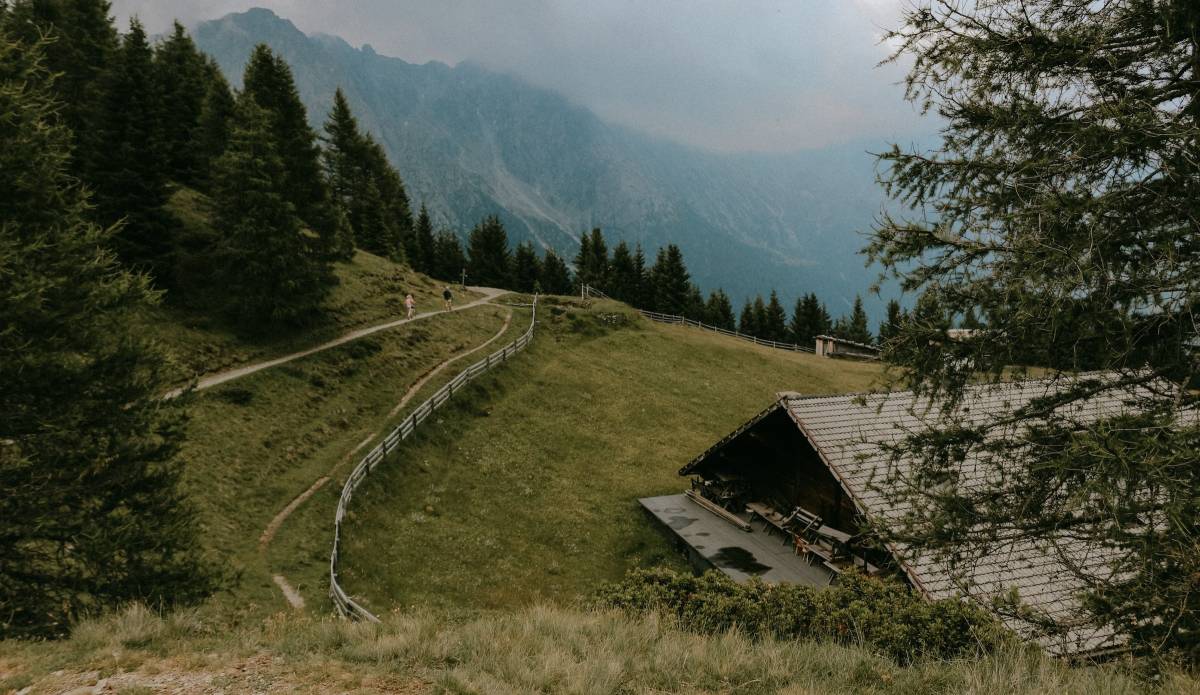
[(470, 142)]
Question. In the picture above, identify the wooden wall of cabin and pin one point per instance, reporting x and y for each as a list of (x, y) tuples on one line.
[(782, 469)]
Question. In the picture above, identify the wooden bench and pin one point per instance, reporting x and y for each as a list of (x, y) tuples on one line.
[(718, 510)]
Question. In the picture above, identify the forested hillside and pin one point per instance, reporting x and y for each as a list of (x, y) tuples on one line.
[(471, 143)]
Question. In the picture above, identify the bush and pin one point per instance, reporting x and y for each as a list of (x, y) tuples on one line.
[(884, 615)]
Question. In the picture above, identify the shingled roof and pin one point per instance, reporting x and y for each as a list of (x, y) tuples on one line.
[(847, 431)]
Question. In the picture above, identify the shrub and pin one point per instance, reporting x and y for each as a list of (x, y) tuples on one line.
[(884, 615)]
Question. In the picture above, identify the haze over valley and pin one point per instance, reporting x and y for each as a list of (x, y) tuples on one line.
[(470, 142)]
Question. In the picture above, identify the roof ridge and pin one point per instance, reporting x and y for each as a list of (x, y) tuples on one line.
[(1013, 384)]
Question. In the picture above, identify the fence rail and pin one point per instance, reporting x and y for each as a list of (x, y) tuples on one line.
[(589, 291), (347, 606)]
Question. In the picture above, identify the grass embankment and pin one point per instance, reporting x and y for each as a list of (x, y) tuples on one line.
[(370, 290), (256, 443), (539, 649), (525, 489)]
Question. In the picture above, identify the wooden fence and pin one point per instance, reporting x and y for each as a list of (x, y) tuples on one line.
[(347, 606), (589, 291)]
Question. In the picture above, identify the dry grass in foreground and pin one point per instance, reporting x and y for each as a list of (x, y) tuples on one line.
[(539, 649)]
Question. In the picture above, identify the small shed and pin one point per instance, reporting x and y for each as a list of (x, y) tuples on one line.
[(832, 346), (812, 467)]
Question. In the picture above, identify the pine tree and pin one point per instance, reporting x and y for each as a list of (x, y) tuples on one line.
[(748, 323), (890, 327), (556, 279), (624, 279), (800, 327), (268, 80), (598, 262), (488, 259), (92, 516), (343, 154), (394, 197), (582, 259), (592, 263), (718, 311), (267, 268), (822, 322), (129, 177), (760, 317), (670, 281), (775, 325), (182, 78), (212, 128), (527, 269), (641, 297), (82, 44), (372, 229), (694, 306), (857, 328), (449, 261), (423, 233)]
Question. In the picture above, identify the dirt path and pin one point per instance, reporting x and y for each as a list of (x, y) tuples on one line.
[(489, 293), (289, 592)]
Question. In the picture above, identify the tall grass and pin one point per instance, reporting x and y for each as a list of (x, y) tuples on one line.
[(543, 649)]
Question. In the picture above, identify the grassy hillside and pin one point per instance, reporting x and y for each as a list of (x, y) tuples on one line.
[(370, 290), (490, 529), (534, 650), (256, 443), (526, 489)]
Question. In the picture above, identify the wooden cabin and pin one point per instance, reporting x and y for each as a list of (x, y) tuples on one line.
[(831, 346), (808, 472)]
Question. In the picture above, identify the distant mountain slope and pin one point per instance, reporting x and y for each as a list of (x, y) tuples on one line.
[(470, 142)]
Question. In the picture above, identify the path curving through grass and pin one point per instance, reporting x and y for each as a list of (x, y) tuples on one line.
[(289, 592), (489, 293)]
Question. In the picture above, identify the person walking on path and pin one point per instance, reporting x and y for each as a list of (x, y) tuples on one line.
[(448, 298), (410, 304)]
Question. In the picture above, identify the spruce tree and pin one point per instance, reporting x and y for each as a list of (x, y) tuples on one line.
[(641, 297), (822, 323), (423, 233), (1061, 202), (800, 327), (718, 311), (268, 269), (343, 155), (526, 270), (748, 323), (488, 259), (92, 516), (760, 317), (182, 78), (583, 274), (556, 279), (268, 80), (624, 279), (212, 127), (694, 306), (449, 261), (890, 328), (81, 45), (598, 261), (775, 326), (670, 281), (857, 328), (129, 176), (364, 184)]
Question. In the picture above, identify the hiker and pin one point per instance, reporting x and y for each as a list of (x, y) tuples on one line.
[(448, 298), (410, 304)]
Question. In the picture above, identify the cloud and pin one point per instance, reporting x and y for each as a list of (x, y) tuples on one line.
[(748, 75)]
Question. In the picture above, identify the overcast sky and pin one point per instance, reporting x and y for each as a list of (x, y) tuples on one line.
[(732, 75)]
